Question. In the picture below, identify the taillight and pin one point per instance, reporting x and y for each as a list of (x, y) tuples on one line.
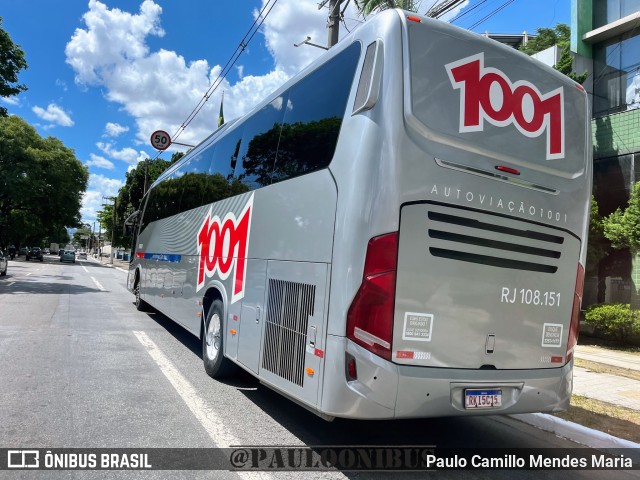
[(370, 317), (574, 328)]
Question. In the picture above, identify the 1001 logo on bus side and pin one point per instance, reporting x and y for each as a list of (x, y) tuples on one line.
[(488, 94), (223, 246)]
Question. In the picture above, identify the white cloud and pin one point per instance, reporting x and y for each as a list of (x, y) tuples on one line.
[(289, 23), (92, 200), (100, 162), (10, 100), (127, 154), (54, 114), (115, 129), (111, 37)]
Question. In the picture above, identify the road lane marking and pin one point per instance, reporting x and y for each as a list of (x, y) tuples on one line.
[(8, 285), (207, 417), (28, 274), (100, 287), (84, 268), (203, 412)]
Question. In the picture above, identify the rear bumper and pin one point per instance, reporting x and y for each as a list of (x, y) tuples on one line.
[(387, 390)]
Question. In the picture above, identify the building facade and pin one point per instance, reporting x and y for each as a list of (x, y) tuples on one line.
[(605, 36)]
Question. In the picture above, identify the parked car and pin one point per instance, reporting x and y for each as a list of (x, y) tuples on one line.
[(11, 252), (23, 251), (47, 251), (82, 256), (35, 253), (68, 256), (4, 263)]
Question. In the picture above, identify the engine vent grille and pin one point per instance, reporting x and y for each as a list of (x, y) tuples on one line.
[(289, 307), (517, 246)]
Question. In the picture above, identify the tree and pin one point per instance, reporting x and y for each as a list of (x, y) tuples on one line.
[(623, 227), (11, 62), (368, 6), (560, 36), (82, 235), (41, 184), (598, 246), (129, 198)]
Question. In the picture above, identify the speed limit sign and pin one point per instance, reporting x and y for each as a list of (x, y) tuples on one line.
[(160, 140)]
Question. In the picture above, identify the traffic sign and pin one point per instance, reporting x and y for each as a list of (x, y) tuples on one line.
[(160, 140)]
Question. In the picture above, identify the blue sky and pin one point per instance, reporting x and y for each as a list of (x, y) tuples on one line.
[(103, 75)]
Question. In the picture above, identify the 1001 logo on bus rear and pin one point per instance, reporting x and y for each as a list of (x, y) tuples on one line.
[(222, 248), (488, 94)]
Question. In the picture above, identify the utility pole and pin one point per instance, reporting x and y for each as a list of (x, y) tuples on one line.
[(333, 23)]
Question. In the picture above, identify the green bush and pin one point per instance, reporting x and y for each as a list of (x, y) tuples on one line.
[(615, 320)]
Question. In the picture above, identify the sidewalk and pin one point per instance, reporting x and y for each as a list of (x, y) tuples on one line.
[(613, 389), (123, 264)]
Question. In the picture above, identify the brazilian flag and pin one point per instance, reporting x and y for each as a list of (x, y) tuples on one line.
[(221, 114)]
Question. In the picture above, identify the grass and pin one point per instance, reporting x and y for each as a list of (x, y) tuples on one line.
[(604, 368), (617, 421), (608, 344)]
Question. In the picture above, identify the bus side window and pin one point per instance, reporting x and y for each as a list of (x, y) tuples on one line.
[(153, 209), (313, 116), (193, 183), (259, 145), (220, 183)]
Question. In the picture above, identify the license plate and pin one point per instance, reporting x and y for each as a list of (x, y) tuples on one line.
[(476, 398)]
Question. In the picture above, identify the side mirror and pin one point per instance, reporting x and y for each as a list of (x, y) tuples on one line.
[(130, 224)]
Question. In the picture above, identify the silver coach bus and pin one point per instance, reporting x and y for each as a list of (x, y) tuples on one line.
[(398, 231)]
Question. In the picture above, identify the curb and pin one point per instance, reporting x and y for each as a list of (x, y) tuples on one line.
[(572, 431)]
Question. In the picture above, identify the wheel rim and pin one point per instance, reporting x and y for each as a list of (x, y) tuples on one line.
[(212, 337)]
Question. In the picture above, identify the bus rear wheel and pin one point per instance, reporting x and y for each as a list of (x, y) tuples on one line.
[(215, 363)]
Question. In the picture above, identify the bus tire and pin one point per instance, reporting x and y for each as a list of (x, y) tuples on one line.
[(141, 305), (215, 363)]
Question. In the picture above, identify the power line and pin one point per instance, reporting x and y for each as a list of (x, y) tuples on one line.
[(462, 14), (244, 43), (482, 20)]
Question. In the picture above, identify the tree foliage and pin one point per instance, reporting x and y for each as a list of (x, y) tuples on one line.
[(598, 246), (622, 228), (617, 321), (129, 198), (560, 36), (366, 7), (11, 62), (41, 184)]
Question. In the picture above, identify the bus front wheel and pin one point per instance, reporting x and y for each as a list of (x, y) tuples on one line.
[(141, 305), (215, 363)]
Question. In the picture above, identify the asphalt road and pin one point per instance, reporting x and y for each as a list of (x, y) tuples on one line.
[(80, 367)]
